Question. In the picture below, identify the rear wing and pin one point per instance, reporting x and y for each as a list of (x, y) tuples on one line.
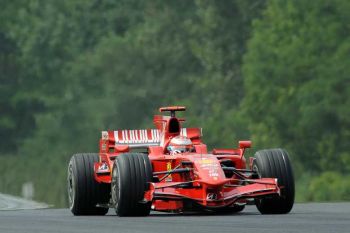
[(146, 137)]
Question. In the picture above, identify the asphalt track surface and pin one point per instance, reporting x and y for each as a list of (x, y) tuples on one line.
[(315, 217)]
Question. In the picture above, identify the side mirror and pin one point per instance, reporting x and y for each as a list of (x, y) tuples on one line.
[(244, 144)]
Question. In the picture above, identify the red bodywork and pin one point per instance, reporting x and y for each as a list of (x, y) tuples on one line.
[(196, 177)]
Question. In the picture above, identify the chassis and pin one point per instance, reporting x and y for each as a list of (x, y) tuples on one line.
[(134, 173)]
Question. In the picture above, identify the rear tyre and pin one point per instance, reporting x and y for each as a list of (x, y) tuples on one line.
[(84, 193), (275, 163), (131, 175)]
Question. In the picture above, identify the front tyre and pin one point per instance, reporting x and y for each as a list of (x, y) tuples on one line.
[(275, 163), (131, 175), (84, 193)]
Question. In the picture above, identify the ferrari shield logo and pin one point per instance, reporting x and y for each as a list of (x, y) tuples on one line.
[(169, 168)]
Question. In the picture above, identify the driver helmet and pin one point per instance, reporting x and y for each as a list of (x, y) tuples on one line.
[(180, 144)]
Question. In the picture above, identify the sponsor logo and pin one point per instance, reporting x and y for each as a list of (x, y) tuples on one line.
[(104, 135), (212, 196), (206, 161), (209, 166), (103, 168), (213, 173), (169, 168)]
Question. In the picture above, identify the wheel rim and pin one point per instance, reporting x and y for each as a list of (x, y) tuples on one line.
[(256, 169), (115, 187), (71, 186)]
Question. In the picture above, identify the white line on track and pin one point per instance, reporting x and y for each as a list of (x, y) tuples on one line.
[(8, 202)]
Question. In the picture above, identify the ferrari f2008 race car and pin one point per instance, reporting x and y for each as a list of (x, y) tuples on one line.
[(169, 168)]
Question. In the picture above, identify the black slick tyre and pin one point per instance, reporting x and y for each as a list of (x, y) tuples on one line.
[(131, 175), (275, 163), (84, 193)]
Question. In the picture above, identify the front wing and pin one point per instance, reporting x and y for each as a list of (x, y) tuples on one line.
[(207, 195)]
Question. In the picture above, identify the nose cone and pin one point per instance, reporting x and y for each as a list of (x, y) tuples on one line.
[(209, 170)]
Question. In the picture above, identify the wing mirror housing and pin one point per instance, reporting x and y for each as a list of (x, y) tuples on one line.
[(245, 144)]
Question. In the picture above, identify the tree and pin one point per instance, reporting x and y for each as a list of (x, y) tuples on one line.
[(219, 30), (297, 83), (96, 65), (16, 108)]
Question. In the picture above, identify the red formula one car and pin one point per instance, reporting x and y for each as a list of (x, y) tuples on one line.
[(170, 169)]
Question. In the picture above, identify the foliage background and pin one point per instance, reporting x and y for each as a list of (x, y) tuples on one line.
[(274, 71)]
